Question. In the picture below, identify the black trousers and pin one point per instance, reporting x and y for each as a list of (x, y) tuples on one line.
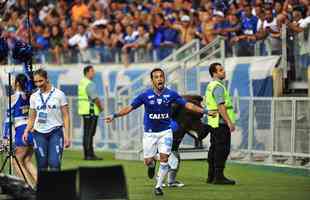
[(220, 146), (89, 127)]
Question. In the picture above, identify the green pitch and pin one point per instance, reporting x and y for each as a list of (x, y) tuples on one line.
[(253, 182)]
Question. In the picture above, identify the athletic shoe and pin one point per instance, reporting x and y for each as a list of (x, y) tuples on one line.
[(176, 184), (158, 191), (151, 171)]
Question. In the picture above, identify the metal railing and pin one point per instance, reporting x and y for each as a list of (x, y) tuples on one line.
[(274, 129), (98, 55)]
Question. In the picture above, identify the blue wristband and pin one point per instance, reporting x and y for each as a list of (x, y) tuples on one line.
[(205, 111)]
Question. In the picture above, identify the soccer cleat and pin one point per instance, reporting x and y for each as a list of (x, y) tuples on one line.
[(176, 184), (151, 171), (158, 191)]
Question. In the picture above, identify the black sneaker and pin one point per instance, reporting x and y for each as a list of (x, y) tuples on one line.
[(158, 191), (210, 179), (224, 181), (93, 158), (151, 171)]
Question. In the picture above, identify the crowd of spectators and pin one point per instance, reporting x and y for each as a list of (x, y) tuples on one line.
[(107, 30)]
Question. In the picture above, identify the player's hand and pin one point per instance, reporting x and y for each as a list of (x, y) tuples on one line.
[(232, 127), (109, 119), (211, 113), (25, 137), (67, 141)]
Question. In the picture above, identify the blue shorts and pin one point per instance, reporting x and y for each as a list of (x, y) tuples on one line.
[(174, 126), (19, 137)]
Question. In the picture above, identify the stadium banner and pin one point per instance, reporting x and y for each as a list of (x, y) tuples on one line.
[(248, 76)]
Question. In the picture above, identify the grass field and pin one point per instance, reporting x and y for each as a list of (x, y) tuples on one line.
[(253, 182)]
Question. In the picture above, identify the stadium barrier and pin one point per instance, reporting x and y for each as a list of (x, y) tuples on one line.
[(275, 129), (278, 82)]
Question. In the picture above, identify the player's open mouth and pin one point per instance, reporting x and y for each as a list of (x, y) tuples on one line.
[(160, 84)]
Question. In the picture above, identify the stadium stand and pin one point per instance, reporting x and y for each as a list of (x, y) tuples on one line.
[(109, 31)]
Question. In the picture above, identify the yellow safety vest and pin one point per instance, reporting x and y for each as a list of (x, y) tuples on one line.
[(84, 103), (213, 121)]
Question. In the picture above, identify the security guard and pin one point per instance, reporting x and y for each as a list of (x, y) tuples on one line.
[(222, 122), (89, 108)]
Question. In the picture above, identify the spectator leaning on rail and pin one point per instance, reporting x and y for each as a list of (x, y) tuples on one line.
[(298, 25), (89, 108), (81, 40)]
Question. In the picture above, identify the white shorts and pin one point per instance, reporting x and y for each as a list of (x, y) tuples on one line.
[(159, 142)]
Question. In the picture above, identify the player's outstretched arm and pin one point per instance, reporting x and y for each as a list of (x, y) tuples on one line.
[(122, 112), (194, 108)]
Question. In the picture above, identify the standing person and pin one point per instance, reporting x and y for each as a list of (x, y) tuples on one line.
[(157, 135), (89, 109), (50, 122), (19, 113), (222, 125)]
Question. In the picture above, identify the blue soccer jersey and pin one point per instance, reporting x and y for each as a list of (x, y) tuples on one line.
[(157, 114), (19, 110)]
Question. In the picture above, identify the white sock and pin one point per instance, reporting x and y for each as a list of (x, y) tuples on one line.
[(162, 172)]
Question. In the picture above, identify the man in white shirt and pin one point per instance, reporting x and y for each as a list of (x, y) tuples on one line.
[(80, 40)]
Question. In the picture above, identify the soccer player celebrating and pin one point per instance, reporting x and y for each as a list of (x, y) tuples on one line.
[(157, 135)]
